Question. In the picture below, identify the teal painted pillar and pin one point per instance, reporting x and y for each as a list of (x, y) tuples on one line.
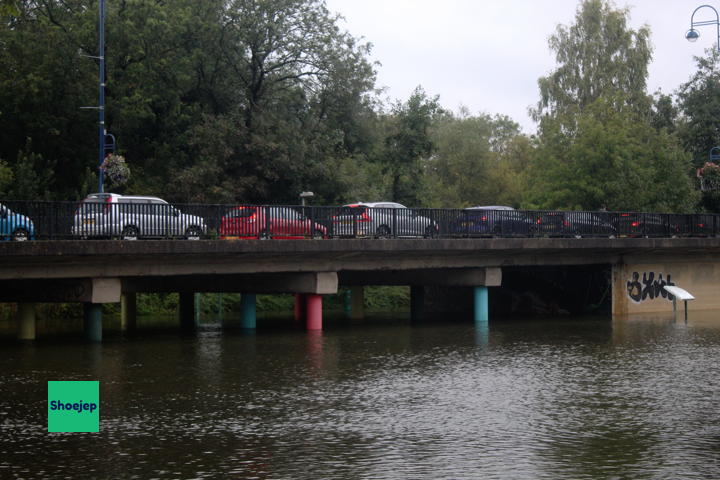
[(481, 304), (128, 312), (92, 322), (347, 303), (417, 303), (186, 307), (248, 312), (26, 321)]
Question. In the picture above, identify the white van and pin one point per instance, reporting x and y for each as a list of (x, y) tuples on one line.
[(133, 216)]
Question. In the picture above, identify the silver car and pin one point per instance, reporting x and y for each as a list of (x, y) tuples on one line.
[(131, 217), (381, 219)]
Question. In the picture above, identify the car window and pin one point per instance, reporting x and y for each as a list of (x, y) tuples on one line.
[(356, 211), (92, 206), (241, 213)]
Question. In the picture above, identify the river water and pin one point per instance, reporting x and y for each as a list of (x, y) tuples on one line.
[(566, 398)]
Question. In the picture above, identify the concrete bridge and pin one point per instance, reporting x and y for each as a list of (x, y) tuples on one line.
[(97, 272)]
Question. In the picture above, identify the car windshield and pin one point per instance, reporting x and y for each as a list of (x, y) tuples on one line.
[(356, 210), (241, 213)]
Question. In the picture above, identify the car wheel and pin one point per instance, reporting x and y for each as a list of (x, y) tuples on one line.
[(20, 235), (193, 233), (263, 235), (130, 232), (383, 231), (317, 234), (429, 231)]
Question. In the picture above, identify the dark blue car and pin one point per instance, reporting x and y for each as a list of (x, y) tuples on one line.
[(14, 226), (491, 220)]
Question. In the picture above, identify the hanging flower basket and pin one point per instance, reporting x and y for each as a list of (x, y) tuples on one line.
[(115, 169)]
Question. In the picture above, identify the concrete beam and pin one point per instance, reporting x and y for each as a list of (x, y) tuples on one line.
[(86, 290), (451, 277), (83, 259), (320, 283)]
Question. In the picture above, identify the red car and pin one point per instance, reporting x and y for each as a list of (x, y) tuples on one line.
[(268, 222)]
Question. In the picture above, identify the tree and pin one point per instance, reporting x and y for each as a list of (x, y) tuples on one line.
[(615, 160), (597, 56), (478, 160), (700, 104), (408, 143), (600, 144)]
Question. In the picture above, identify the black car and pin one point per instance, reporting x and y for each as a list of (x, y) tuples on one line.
[(491, 220), (573, 224)]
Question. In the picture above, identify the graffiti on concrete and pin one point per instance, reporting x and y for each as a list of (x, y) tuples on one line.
[(650, 288)]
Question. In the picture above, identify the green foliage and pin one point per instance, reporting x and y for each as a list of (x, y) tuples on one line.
[(616, 160), (408, 144), (477, 160), (700, 102), (597, 56)]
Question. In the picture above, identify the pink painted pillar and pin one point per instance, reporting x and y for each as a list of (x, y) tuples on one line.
[(299, 307), (313, 320)]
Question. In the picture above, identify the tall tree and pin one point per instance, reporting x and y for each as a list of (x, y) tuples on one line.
[(408, 143), (599, 142), (598, 55)]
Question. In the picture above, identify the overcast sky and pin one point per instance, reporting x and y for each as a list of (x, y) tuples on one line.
[(488, 54)]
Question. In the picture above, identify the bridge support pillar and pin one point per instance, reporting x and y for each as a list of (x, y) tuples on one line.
[(481, 304), (25, 321), (300, 306), (358, 303), (128, 312), (313, 311), (186, 310), (417, 303), (92, 321), (248, 313)]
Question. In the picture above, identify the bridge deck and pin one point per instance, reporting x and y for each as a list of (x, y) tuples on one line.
[(97, 259)]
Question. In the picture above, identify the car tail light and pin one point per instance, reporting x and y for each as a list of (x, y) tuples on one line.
[(106, 209), (483, 218), (566, 223), (364, 217), (701, 225), (539, 221), (635, 224)]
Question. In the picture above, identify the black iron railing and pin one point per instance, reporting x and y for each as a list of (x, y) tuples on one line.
[(131, 218)]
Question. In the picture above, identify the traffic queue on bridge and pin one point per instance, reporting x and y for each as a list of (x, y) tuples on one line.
[(131, 217)]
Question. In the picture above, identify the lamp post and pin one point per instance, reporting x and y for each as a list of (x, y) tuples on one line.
[(105, 141), (304, 195), (692, 35), (101, 92)]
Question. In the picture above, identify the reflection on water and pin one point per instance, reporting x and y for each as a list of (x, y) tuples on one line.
[(539, 399)]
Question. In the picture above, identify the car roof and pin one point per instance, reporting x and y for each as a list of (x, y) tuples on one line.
[(490, 207), (118, 196), (372, 204)]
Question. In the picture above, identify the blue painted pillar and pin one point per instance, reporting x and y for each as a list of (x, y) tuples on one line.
[(417, 303), (481, 304), (92, 322), (248, 312)]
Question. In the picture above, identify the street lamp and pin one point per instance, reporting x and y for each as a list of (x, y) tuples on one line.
[(692, 35), (106, 141), (304, 195)]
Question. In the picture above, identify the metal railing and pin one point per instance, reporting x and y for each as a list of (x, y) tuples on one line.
[(135, 219)]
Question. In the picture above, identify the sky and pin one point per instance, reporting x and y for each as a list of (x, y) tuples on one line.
[(488, 55)]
